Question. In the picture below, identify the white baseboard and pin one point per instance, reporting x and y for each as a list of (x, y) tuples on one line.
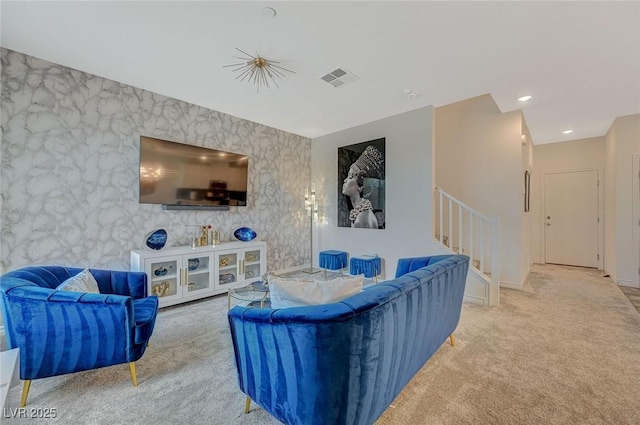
[(475, 300), (624, 282), (511, 285)]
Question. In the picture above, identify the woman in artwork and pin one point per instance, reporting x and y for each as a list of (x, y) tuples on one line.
[(366, 165)]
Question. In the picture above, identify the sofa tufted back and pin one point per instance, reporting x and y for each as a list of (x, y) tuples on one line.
[(50, 277), (344, 363)]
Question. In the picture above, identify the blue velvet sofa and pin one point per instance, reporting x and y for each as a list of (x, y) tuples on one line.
[(344, 363), (61, 332)]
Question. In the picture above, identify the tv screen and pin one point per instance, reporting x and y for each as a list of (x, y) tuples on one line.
[(176, 174)]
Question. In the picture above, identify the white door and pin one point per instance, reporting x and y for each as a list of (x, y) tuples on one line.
[(571, 218)]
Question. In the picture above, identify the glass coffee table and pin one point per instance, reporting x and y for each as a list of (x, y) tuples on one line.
[(255, 294)]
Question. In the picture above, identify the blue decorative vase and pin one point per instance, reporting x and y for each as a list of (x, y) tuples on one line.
[(157, 239), (245, 234)]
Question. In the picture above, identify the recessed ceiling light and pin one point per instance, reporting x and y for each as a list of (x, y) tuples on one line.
[(567, 131), (269, 12), (524, 98)]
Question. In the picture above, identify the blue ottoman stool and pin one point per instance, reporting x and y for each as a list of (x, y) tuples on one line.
[(333, 260), (370, 266)]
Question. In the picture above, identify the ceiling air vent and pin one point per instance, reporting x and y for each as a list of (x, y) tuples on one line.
[(339, 77)]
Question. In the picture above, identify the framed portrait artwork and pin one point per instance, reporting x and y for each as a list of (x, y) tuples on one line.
[(361, 185)]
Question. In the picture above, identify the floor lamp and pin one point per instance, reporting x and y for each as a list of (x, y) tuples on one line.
[(311, 205)]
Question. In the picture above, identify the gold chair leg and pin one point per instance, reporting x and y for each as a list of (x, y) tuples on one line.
[(25, 392), (134, 375), (247, 404), (451, 340)]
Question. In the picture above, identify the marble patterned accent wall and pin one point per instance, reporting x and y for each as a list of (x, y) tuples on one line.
[(70, 147)]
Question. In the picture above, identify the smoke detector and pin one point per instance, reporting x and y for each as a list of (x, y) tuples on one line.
[(339, 77), (411, 94)]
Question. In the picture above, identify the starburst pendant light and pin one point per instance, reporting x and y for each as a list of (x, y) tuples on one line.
[(258, 70)]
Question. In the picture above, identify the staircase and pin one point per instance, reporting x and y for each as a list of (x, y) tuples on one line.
[(462, 230)]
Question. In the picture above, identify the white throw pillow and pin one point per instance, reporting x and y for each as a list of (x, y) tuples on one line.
[(82, 282), (295, 293)]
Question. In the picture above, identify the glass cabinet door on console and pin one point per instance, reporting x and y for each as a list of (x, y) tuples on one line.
[(253, 265), (228, 267), (240, 267), (198, 271), (179, 278), (164, 277)]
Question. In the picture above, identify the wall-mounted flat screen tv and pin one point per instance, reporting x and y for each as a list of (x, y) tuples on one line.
[(186, 176)]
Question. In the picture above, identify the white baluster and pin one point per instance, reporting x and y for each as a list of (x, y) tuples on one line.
[(459, 229), (471, 237), (450, 240), (482, 223), (441, 219), (495, 262)]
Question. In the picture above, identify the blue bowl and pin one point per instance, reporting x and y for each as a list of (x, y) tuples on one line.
[(245, 234), (227, 278), (193, 264), (160, 272), (157, 239)]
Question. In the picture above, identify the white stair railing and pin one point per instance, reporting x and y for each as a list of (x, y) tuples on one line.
[(464, 230)]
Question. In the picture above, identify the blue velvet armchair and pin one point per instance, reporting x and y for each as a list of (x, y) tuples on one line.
[(61, 332)]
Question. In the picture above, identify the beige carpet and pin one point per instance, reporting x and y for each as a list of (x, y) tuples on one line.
[(633, 294), (564, 350)]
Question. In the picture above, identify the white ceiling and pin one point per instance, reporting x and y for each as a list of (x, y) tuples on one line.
[(579, 60)]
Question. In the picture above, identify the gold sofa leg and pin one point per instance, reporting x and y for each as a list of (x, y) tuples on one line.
[(134, 376), (451, 340), (247, 404), (25, 392)]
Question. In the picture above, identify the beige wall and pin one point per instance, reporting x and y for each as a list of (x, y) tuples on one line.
[(609, 208), (409, 187), (581, 154), (479, 160), (612, 155), (408, 165), (621, 232), (525, 229)]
